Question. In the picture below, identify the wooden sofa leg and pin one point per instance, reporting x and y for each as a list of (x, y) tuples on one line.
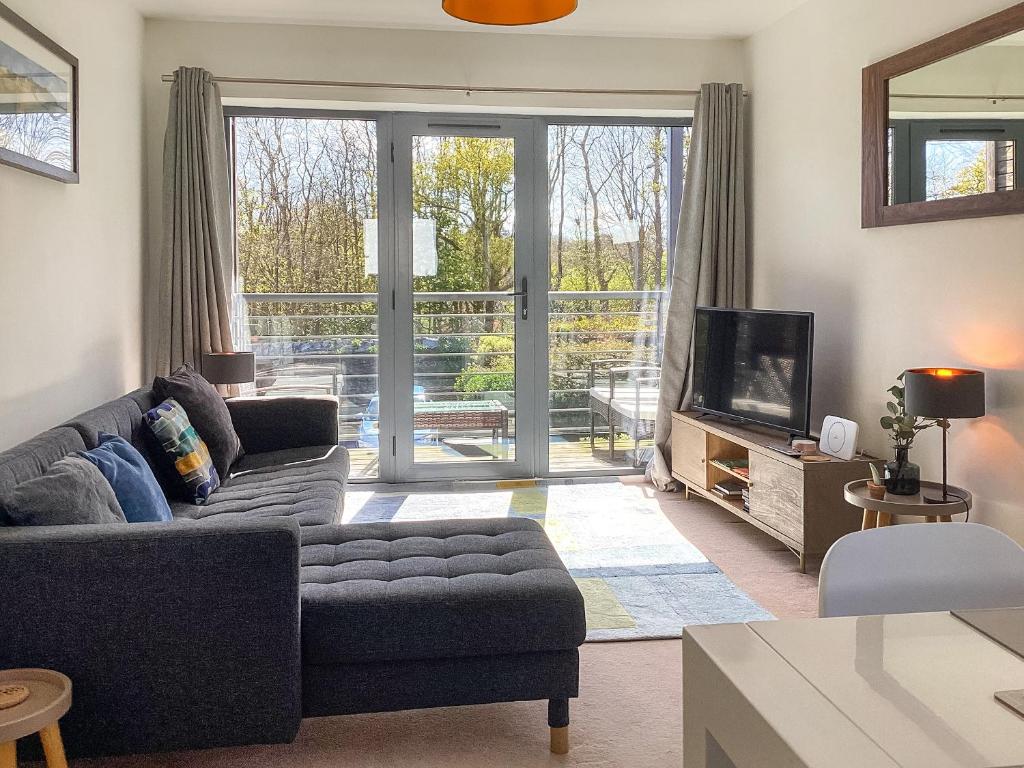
[(558, 721), (560, 741)]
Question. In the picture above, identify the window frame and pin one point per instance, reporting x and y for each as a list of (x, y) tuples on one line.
[(910, 147)]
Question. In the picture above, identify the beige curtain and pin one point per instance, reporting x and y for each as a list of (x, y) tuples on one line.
[(196, 260), (710, 258)]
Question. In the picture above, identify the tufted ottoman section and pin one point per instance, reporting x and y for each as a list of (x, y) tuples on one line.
[(431, 590)]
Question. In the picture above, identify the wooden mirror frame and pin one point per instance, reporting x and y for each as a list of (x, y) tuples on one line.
[(875, 144)]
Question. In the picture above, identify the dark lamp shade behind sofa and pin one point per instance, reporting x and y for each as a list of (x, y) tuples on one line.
[(229, 367)]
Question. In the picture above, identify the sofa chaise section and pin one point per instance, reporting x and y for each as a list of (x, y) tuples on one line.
[(433, 614)]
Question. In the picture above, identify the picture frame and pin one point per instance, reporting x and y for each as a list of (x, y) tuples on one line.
[(38, 101)]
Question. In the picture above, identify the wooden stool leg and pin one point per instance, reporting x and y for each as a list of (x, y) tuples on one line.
[(946, 518), (870, 520), (53, 746), (8, 755), (932, 518), (884, 519)]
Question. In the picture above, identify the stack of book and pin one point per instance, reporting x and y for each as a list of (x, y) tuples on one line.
[(730, 489)]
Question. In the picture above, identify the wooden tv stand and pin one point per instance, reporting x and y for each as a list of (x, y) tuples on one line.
[(799, 503)]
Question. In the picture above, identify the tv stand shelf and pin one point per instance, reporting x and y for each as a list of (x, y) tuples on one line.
[(801, 504)]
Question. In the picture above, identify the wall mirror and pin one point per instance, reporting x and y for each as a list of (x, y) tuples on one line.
[(944, 127)]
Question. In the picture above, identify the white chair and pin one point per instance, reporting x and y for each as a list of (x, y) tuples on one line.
[(923, 567)]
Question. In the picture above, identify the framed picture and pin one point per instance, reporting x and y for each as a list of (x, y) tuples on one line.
[(38, 101)]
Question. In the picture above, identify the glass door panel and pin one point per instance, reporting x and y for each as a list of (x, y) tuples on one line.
[(612, 190), (305, 211), (462, 280)]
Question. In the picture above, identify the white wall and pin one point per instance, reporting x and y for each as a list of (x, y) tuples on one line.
[(70, 255), (949, 293)]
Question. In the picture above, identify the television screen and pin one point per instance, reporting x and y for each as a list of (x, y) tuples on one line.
[(754, 365)]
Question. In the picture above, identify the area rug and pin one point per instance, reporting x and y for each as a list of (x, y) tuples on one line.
[(640, 578)]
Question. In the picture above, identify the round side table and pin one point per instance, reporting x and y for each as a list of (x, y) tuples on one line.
[(49, 698), (878, 512)]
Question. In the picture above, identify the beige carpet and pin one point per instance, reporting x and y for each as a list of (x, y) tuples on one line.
[(628, 714)]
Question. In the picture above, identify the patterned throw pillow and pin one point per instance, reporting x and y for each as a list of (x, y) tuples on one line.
[(183, 448)]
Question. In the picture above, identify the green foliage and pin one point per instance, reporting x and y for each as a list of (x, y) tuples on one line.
[(903, 428), (490, 370)]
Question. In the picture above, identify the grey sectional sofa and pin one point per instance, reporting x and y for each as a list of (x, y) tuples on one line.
[(244, 615)]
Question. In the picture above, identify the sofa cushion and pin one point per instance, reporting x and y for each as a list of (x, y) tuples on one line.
[(71, 492), (390, 591), (306, 484), (184, 452), (207, 412), (33, 457), (128, 474), (294, 461)]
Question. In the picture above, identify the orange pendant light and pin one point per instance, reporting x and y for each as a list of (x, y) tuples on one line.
[(508, 12)]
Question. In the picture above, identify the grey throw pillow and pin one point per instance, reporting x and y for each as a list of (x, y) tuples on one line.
[(206, 411), (71, 492)]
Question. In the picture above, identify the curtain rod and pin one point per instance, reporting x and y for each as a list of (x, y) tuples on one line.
[(461, 88), (961, 96)]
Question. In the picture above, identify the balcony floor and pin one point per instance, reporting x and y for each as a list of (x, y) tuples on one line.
[(566, 457)]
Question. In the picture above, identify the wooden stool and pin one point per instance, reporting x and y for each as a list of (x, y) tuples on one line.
[(49, 698), (878, 513)]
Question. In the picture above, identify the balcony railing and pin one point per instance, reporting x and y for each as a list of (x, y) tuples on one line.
[(328, 342)]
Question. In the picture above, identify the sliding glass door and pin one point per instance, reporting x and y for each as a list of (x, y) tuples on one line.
[(485, 295), (464, 362)]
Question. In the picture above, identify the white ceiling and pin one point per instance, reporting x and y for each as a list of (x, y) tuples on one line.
[(633, 18)]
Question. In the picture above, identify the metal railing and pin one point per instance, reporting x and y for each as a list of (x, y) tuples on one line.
[(281, 336)]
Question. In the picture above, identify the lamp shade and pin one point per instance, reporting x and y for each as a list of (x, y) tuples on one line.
[(229, 367), (508, 12), (944, 393)]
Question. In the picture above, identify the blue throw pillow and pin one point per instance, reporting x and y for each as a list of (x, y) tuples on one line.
[(134, 484)]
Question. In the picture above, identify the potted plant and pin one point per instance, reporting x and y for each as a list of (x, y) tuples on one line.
[(876, 485), (902, 476)]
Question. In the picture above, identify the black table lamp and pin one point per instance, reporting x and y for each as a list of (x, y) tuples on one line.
[(229, 367), (944, 393)]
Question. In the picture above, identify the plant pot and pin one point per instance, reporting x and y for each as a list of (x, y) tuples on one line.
[(902, 476), (876, 490)]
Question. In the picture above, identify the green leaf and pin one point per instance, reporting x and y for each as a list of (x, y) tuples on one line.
[(900, 377), (887, 422), (892, 408)]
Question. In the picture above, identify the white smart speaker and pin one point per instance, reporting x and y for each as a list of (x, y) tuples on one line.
[(839, 437)]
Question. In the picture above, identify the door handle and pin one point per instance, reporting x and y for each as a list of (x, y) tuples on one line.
[(524, 294)]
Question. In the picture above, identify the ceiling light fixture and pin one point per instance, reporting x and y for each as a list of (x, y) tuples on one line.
[(508, 12)]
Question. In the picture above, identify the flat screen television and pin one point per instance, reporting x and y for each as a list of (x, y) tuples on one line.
[(754, 365)]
